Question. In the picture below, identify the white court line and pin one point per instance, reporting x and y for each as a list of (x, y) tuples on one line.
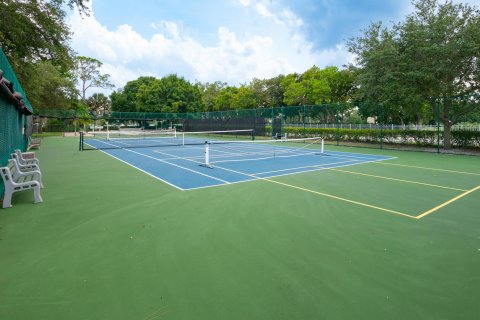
[(229, 154), (270, 156), (119, 144), (260, 146), (146, 172), (355, 157), (175, 165), (362, 156), (254, 175), (266, 178), (319, 168), (178, 166), (312, 166)]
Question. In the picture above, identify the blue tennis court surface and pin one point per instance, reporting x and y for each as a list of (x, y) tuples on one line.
[(184, 167)]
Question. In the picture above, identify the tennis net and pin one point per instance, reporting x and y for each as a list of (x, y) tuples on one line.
[(101, 140), (221, 152)]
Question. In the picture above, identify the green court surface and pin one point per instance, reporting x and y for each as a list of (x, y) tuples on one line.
[(398, 239)]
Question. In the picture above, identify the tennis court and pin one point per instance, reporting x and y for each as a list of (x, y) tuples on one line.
[(183, 163), (300, 234)]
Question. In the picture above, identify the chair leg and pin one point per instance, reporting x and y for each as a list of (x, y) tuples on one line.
[(40, 179), (7, 199), (36, 194)]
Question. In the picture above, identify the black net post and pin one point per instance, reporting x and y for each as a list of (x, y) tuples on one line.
[(80, 143)]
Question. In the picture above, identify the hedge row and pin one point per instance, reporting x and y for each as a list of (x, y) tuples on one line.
[(410, 137)]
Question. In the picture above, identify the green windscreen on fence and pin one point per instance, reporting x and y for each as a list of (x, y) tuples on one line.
[(13, 122), (445, 123), (373, 125)]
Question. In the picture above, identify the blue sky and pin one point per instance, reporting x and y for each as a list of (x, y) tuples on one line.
[(325, 22), (231, 40)]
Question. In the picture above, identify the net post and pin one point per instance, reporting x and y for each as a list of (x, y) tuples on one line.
[(80, 144), (207, 154), (183, 138), (322, 148)]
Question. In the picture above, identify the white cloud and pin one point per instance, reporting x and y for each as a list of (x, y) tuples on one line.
[(233, 57), (245, 3)]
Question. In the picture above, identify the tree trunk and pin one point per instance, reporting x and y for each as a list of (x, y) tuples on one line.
[(447, 142)]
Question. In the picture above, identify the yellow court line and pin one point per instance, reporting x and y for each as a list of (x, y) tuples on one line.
[(341, 199), (395, 179), (426, 168), (446, 203)]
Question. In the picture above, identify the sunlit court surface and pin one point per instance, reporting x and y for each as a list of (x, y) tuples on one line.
[(300, 233), (196, 162), (240, 160)]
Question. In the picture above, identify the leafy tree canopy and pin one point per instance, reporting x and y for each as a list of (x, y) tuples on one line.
[(433, 54), (99, 104), (169, 94), (34, 37)]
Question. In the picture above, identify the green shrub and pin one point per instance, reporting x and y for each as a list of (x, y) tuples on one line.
[(460, 138), (465, 138)]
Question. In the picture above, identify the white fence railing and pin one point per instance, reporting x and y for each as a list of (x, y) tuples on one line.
[(475, 127)]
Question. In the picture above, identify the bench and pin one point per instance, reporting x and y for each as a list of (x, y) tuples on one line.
[(24, 181), (33, 143), (26, 155), (18, 155), (18, 171)]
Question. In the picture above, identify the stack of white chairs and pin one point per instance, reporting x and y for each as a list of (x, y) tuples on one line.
[(22, 173)]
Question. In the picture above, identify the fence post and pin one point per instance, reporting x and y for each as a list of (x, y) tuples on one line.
[(438, 126), (337, 132), (381, 126), (304, 129), (272, 123)]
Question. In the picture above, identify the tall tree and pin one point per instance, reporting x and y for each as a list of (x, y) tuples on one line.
[(35, 31), (87, 71), (434, 54), (169, 94), (274, 92), (99, 104), (244, 98), (225, 100), (125, 99), (52, 89), (210, 92), (295, 91), (259, 88)]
